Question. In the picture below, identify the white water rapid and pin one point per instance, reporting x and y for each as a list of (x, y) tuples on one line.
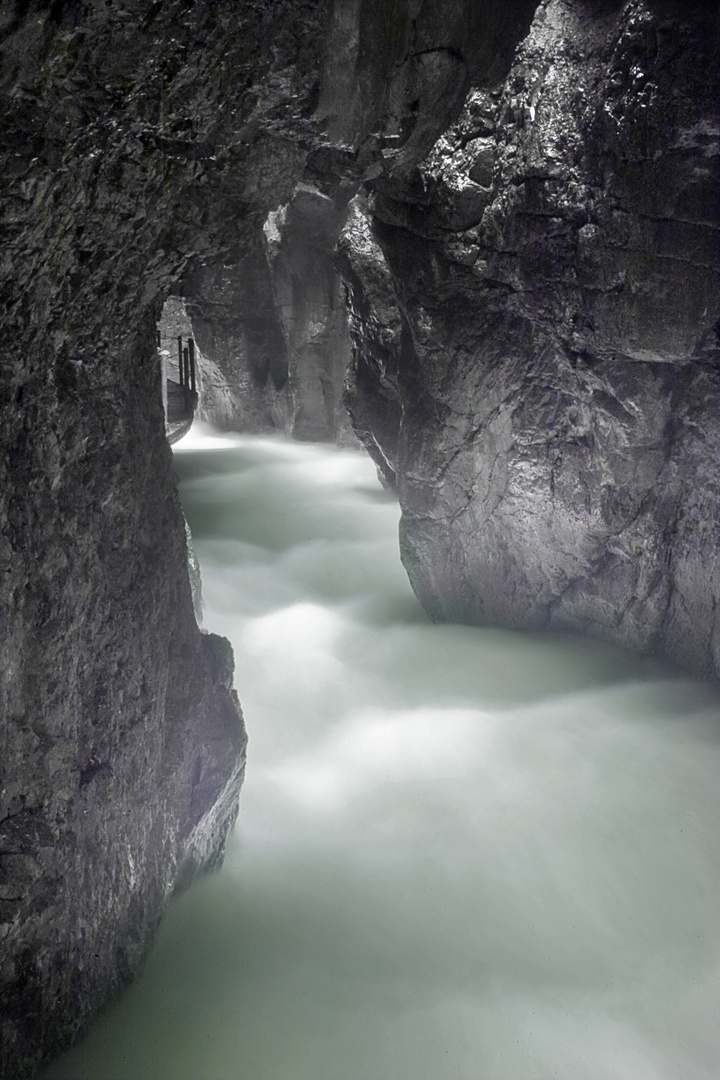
[(462, 854)]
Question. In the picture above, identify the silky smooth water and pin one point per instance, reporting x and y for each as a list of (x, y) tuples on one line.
[(462, 854)]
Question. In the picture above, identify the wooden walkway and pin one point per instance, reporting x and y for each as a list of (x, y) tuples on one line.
[(181, 404)]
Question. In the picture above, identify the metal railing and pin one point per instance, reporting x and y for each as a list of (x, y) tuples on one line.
[(186, 366), (179, 395)]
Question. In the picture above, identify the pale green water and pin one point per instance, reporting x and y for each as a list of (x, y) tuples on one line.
[(462, 854)]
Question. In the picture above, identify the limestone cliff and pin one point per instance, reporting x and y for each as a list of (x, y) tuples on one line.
[(122, 745), (534, 313)]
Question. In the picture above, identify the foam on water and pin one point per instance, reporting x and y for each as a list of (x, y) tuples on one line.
[(462, 853)]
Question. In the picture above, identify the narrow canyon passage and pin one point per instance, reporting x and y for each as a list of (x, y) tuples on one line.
[(461, 853)]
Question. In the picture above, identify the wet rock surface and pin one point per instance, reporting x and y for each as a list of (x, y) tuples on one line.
[(534, 313), (272, 329), (310, 301), (270, 319), (243, 364), (122, 744)]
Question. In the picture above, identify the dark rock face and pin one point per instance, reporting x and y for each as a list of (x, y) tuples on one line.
[(375, 395), (270, 319), (534, 317), (243, 364), (122, 745), (396, 74), (272, 329), (122, 741), (534, 314), (310, 301), (144, 146)]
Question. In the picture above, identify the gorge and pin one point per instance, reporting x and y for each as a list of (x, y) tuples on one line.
[(503, 216), (460, 851)]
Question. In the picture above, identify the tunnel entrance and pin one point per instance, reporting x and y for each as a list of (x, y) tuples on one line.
[(179, 367)]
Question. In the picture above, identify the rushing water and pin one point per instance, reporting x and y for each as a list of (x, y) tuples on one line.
[(462, 854)]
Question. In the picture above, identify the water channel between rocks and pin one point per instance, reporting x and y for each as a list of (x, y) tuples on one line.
[(462, 854)]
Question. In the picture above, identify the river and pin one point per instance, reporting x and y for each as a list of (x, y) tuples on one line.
[(462, 854)]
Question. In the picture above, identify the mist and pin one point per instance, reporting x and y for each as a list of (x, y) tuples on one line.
[(461, 852)]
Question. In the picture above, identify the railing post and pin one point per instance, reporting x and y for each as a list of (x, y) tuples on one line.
[(163, 377), (180, 360), (186, 384), (191, 351)]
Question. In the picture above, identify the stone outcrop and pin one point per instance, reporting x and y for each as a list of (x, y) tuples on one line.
[(122, 745), (272, 329), (310, 299), (144, 146), (270, 320), (534, 313), (243, 364), (122, 742)]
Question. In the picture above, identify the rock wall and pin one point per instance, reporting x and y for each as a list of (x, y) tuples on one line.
[(143, 148), (534, 313), (310, 301), (244, 362), (270, 319), (122, 745), (272, 329)]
